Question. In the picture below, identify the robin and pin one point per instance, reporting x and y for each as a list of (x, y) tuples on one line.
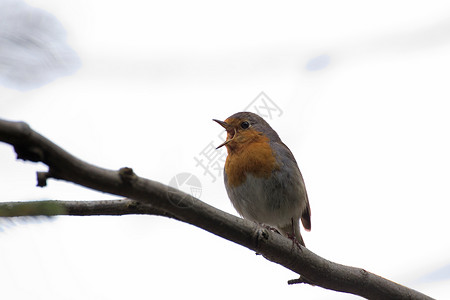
[(262, 178)]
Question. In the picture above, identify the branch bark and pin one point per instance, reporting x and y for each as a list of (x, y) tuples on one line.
[(79, 208), (151, 197)]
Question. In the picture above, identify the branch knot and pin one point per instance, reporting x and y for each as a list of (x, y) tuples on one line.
[(31, 153), (127, 175)]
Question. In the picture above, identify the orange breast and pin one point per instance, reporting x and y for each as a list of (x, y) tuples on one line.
[(255, 157)]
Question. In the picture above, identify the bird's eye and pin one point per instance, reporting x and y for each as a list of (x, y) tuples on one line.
[(245, 125)]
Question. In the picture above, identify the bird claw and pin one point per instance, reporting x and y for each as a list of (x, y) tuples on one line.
[(295, 241), (290, 236), (273, 229)]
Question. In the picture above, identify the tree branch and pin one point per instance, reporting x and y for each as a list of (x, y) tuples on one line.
[(79, 208), (152, 197)]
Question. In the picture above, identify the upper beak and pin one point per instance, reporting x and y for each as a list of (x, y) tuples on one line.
[(222, 123), (227, 128)]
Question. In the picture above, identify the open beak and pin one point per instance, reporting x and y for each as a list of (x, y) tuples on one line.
[(229, 129)]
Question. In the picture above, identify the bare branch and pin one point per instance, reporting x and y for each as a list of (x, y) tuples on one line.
[(79, 208), (165, 200)]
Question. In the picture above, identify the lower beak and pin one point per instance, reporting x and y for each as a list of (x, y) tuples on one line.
[(224, 143)]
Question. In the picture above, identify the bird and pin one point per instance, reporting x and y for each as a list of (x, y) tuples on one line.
[(262, 178)]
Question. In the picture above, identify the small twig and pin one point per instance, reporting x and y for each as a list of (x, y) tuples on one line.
[(301, 279), (42, 178), (79, 208)]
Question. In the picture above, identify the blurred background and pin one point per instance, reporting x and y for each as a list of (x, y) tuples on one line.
[(359, 92)]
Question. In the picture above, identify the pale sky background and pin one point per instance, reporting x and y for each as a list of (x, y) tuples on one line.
[(363, 93)]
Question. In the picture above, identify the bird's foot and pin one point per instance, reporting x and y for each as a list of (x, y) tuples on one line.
[(295, 241), (273, 229)]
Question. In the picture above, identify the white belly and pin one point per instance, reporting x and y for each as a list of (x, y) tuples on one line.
[(270, 201)]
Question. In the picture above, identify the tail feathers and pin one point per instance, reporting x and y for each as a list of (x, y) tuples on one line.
[(306, 218), (306, 221)]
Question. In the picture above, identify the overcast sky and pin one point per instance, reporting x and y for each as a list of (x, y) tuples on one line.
[(358, 91)]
